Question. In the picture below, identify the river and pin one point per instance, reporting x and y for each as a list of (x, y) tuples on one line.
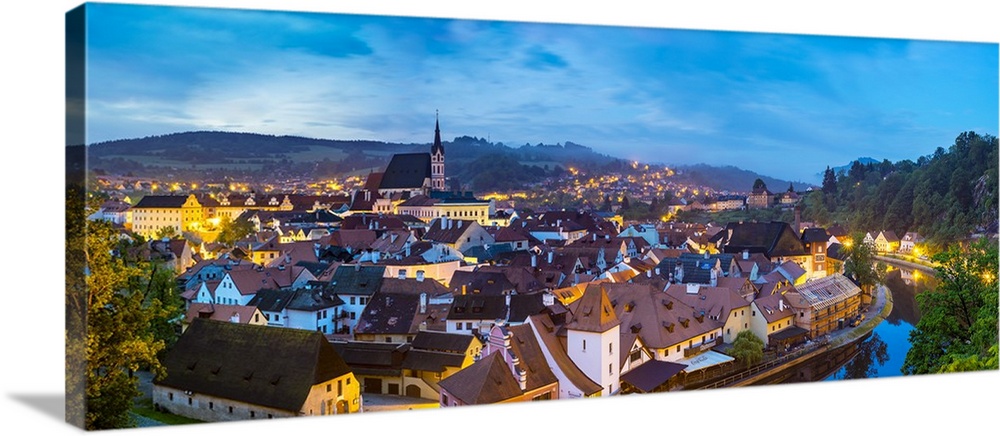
[(881, 353)]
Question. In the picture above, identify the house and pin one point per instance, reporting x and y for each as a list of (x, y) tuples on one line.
[(776, 240), (154, 212), (223, 313), (221, 371), (573, 383), (355, 285), (720, 304), (435, 356), (825, 305), (908, 243), (771, 320), (378, 366), (399, 310), (458, 234), (594, 323), (816, 241), (315, 309), (886, 242), (760, 197), (512, 369)]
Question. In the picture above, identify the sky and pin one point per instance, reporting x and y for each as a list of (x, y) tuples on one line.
[(782, 105)]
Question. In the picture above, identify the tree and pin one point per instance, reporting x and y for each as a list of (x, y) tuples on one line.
[(231, 231), (860, 265), (748, 348), (119, 338), (957, 330), (758, 184), (167, 232), (829, 182)]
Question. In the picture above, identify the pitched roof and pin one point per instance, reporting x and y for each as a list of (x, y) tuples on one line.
[(406, 171), (220, 312), (814, 234), (454, 229), (356, 279), (373, 358), (389, 313), (548, 331), (476, 307), (774, 307), (480, 282), (250, 281), (774, 239), (716, 303), (532, 360), (823, 292), (272, 367), (593, 312), (440, 341), (487, 381), (271, 300), (311, 300), (659, 319)]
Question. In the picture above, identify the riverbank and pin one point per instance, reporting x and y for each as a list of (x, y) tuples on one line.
[(873, 316), (927, 267)]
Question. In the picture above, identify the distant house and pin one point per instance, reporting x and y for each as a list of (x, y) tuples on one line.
[(719, 304), (355, 285), (154, 212), (816, 241), (435, 356), (760, 197), (909, 241), (887, 242), (458, 234), (220, 371), (772, 320)]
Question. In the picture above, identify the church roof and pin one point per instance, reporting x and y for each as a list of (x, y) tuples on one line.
[(407, 170)]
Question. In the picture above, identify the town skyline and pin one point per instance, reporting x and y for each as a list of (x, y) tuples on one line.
[(676, 97)]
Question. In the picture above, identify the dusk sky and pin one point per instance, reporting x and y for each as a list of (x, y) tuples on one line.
[(785, 106)]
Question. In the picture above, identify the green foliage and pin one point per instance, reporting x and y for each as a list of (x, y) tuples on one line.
[(748, 348), (957, 330), (860, 265), (231, 231), (944, 196), (168, 232), (123, 305)]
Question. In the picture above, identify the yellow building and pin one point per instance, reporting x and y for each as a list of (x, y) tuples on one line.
[(154, 212)]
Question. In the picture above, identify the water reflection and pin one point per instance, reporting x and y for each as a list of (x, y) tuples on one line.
[(882, 352)]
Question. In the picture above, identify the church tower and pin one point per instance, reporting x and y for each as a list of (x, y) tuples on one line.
[(437, 159)]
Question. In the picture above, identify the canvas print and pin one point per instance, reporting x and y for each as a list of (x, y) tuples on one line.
[(274, 214)]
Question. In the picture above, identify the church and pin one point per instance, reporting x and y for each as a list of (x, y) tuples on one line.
[(413, 173)]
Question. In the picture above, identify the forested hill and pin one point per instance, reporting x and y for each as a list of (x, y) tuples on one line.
[(474, 162), (944, 196)]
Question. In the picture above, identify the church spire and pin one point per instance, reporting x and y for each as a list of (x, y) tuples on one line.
[(437, 136), (437, 158)]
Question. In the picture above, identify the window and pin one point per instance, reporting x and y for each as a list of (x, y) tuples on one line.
[(277, 317), (211, 405), (388, 339), (468, 326), (584, 345), (352, 315), (190, 401), (611, 349), (348, 382), (340, 387), (458, 326), (678, 348), (352, 300), (637, 356), (170, 396), (230, 409), (610, 369), (252, 414), (753, 313)]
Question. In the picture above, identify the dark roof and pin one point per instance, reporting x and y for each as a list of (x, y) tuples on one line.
[(522, 306), (652, 374), (311, 300), (472, 307), (160, 201), (813, 234), (480, 282), (440, 341), (356, 280), (389, 314), (835, 251), (774, 239), (487, 381), (268, 366), (454, 229), (271, 300), (435, 361), (437, 139), (373, 358), (407, 171), (788, 333)]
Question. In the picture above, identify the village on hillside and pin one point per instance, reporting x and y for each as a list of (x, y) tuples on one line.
[(404, 294)]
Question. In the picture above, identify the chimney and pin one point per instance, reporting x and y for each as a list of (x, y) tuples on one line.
[(649, 273), (607, 237), (357, 267), (714, 280), (444, 223), (392, 238), (706, 254), (534, 261), (781, 305), (746, 254), (423, 302), (522, 379), (692, 288), (402, 274), (550, 257), (548, 299), (657, 270), (458, 225), (798, 221), (407, 248), (420, 275), (235, 318)]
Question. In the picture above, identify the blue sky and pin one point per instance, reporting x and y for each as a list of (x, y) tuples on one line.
[(781, 105)]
